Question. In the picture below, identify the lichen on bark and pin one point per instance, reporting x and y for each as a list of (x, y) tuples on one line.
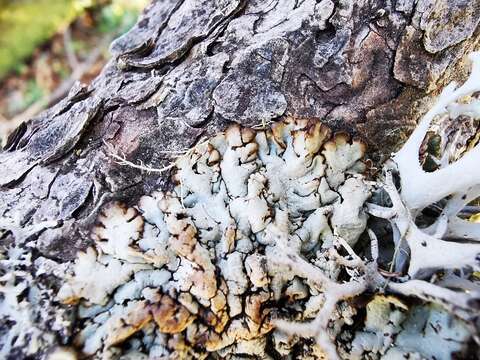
[(188, 70)]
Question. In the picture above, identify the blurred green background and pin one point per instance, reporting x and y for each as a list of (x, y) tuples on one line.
[(26, 24)]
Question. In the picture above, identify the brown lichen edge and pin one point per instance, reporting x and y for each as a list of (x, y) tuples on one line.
[(206, 319)]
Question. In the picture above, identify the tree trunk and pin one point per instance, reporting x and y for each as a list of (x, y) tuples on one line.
[(189, 68)]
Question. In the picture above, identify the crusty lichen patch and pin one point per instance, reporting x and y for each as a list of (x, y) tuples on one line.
[(30, 317), (196, 271)]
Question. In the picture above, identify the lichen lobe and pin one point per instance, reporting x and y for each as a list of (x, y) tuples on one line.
[(196, 265)]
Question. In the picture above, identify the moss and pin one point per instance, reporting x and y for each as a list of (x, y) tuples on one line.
[(25, 24)]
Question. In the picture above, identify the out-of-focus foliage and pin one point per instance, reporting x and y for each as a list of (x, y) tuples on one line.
[(120, 15), (26, 24)]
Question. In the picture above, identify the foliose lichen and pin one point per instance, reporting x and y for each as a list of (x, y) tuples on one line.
[(266, 247)]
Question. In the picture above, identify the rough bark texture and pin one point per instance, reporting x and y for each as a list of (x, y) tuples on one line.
[(188, 68), (191, 67)]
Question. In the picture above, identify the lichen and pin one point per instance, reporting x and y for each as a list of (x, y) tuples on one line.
[(393, 330), (262, 249), (205, 255), (27, 304)]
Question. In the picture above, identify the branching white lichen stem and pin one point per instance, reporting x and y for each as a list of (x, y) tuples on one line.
[(431, 292), (333, 292), (427, 252), (427, 188), (373, 245), (450, 225)]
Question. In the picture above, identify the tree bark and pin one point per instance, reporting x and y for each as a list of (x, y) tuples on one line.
[(189, 68)]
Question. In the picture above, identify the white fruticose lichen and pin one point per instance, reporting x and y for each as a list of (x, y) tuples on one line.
[(262, 250), (449, 243)]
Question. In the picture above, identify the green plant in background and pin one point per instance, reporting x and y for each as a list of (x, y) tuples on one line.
[(119, 16), (32, 94), (26, 24)]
